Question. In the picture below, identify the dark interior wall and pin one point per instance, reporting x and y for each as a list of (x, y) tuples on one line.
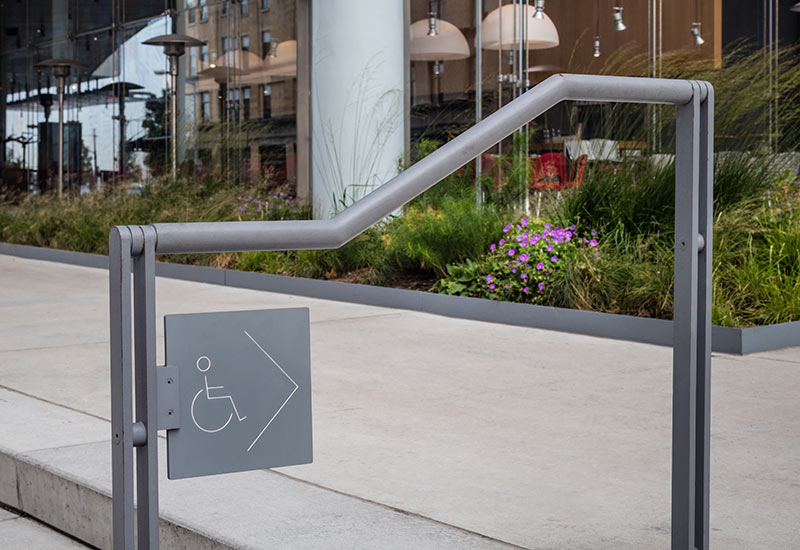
[(745, 22)]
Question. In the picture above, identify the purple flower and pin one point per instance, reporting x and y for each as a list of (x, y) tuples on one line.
[(594, 233), (489, 278), (513, 270), (507, 287), (211, 198), (547, 226), (524, 258), (240, 198), (524, 222), (554, 259), (491, 286), (549, 247), (493, 246), (540, 266), (501, 242), (507, 228), (541, 286), (511, 252), (241, 209), (523, 276), (524, 243), (519, 238), (593, 243), (525, 289)]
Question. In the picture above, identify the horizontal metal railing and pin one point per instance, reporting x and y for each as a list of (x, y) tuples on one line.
[(175, 238)]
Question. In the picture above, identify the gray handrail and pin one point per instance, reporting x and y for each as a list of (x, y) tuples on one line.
[(175, 238), (133, 249)]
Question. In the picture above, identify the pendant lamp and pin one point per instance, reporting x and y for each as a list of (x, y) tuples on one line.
[(446, 44), (542, 32)]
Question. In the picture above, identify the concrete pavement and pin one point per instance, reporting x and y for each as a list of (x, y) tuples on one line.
[(21, 533), (429, 432)]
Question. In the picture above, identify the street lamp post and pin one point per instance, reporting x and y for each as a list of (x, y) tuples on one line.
[(174, 46), (61, 70)]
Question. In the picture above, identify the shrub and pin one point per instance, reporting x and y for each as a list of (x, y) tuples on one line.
[(522, 264), (428, 239)]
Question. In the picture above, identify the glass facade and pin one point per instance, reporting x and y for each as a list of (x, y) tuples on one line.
[(239, 115)]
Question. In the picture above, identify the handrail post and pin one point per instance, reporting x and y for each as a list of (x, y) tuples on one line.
[(691, 322), (144, 316), (119, 259)]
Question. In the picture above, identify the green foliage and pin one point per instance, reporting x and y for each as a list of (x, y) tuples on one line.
[(466, 279), (82, 223), (427, 239), (364, 252), (523, 264), (460, 184), (508, 193)]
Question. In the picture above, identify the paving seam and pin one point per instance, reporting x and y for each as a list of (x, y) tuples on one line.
[(25, 459), (401, 511), (72, 528), (40, 348), (24, 516), (67, 407)]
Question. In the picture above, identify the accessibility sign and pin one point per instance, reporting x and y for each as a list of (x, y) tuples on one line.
[(243, 391)]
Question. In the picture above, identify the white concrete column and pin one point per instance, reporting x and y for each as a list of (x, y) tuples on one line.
[(357, 81)]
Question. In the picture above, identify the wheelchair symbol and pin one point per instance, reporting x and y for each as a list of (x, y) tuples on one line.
[(206, 365)]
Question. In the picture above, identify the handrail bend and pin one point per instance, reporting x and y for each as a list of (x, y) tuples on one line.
[(195, 237)]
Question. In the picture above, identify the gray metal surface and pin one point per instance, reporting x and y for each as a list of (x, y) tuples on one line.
[(119, 247), (144, 317), (691, 339), (245, 391)]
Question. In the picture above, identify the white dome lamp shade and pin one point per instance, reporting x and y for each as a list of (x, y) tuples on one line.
[(284, 62), (542, 32), (446, 45), (795, 8)]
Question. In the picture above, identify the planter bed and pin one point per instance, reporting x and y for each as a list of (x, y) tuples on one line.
[(606, 325)]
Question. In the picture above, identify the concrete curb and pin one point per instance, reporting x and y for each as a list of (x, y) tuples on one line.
[(55, 465), (604, 325)]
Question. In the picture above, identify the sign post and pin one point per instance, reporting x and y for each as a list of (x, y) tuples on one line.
[(243, 391)]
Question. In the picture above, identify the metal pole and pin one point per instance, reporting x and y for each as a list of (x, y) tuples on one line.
[(704, 301), (60, 136), (478, 93), (173, 73), (692, 322), (119, 261), (145, 379), (121, 99)]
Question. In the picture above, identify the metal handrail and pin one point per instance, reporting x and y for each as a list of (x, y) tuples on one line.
[(174, 238), (133, 249)]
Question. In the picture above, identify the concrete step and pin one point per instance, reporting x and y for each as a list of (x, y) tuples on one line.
[(22, 533), (55, 466)]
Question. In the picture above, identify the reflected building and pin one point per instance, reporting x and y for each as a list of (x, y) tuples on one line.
[(324, 96)]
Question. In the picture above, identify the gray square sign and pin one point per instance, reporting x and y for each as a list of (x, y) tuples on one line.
[(244, 392)]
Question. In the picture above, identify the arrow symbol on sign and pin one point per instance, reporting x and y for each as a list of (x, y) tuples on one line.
[(287, 399)]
